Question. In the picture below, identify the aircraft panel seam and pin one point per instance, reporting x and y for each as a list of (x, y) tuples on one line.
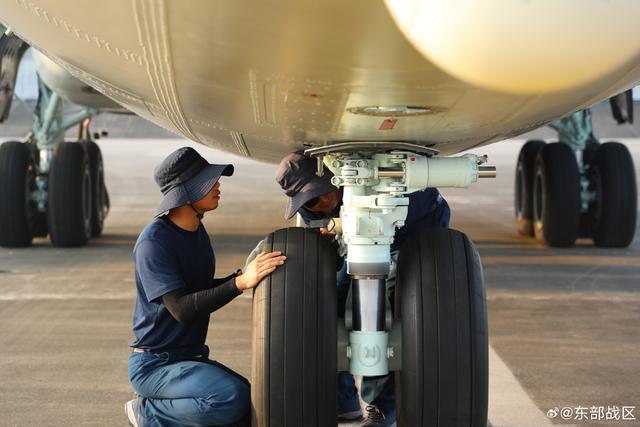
[(151, 22)]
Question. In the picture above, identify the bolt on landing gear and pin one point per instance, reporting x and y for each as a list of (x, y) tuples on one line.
[(437, 341)]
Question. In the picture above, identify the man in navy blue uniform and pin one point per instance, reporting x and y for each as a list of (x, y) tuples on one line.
[(169, 367), (315, 198)]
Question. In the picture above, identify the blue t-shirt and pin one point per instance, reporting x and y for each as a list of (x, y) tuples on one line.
[(169, 258), (427, 209)]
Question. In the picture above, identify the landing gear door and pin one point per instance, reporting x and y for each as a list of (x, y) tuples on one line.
[(622, 107), (11, 50)]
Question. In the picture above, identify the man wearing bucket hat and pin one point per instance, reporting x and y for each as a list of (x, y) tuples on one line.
[(169, 369), (315, 198)]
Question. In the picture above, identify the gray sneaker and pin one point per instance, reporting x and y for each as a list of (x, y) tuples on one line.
[(373, 417), (133, 410)]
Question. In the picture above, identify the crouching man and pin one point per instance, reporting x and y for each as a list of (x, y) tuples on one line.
[(169, 367)]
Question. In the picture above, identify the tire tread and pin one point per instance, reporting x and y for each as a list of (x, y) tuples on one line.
[(294, 375), (440, 299)]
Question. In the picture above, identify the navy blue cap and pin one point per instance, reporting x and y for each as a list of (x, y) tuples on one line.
[(297, 176), (185, 177)]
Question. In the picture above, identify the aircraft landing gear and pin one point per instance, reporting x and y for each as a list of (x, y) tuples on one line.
[(577, 187), (592, 194), (49, 186), (437, 344)]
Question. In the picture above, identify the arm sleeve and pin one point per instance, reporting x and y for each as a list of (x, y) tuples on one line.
[(218, 282), (186, 307), (157, 269)]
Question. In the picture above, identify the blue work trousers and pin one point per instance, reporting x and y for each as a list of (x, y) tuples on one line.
[(179, 391)]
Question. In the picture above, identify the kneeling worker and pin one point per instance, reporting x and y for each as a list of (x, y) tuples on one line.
[(169, 368)]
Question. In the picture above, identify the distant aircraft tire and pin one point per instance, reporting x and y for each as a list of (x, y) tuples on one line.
[(615, 208), (441, 304), (556, 196), (294, 343), (69, 212), (524, 186), (17, 181), (98, 189)]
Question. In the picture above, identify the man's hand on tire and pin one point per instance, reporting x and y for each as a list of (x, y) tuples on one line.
[(263, 265)]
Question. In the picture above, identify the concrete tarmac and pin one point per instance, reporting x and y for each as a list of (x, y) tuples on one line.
[(564, 323)]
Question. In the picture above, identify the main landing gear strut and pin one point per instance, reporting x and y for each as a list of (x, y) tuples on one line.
[(49, 186), (436, 340)]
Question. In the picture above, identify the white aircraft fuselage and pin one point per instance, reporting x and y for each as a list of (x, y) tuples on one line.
[(264, 78)]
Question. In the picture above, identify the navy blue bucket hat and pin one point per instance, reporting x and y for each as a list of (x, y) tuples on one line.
[(185, 177), (297, 176)]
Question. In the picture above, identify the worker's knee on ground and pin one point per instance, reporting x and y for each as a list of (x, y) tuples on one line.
[(227, 405)]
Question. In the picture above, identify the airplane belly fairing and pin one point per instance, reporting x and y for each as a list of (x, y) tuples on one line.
[(265, 78)]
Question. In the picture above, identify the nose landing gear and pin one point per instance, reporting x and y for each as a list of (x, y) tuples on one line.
[(437, 343)]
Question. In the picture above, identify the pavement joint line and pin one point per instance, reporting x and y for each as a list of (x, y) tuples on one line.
[(578, 295), (509, 403)]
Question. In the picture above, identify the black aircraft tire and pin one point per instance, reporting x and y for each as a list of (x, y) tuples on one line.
[(69, 212), (17, 179), (294, 342), (524, 186), (615, 210), (98, 189), (440, 300), (556, 196)]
